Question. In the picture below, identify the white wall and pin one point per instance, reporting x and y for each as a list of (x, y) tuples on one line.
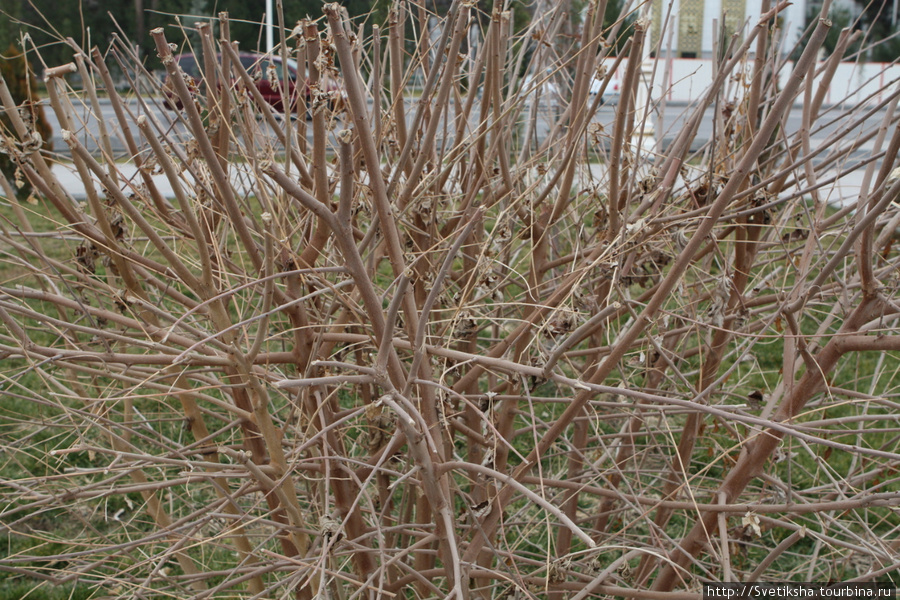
[(685, 80)]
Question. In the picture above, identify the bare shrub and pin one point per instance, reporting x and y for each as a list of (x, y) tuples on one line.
[(452, 341)]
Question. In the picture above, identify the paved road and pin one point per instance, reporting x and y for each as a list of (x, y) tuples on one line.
[(88, 127), (674, 117)]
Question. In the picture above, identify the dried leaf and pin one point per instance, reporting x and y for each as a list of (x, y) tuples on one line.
[(752, 521)]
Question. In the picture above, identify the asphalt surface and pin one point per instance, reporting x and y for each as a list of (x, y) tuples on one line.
[(673, 119), (674, 116)]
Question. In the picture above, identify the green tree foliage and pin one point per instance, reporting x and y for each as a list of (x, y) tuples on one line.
[(50, 22), (875, 19), (94, 22), (10, 12), (246, 17), (880, 22)]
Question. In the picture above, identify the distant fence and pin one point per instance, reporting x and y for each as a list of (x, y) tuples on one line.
[(685, 80)]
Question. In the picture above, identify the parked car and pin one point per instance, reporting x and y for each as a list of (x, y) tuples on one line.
[(258, 66), (612, 92), (549, 91), (532, 85)]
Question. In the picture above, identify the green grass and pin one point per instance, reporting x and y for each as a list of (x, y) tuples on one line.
[(34, 422)]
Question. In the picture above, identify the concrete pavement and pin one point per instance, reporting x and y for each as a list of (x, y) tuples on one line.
[(845, 190)]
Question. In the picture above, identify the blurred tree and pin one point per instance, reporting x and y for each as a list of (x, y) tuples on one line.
[(10, 12), (841, 18), (879, 19), (247, 17), (94, 22)]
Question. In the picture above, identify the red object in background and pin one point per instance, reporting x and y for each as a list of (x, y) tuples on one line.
[(259, 67)]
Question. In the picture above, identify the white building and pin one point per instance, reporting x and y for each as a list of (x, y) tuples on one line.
[(691, 27)]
